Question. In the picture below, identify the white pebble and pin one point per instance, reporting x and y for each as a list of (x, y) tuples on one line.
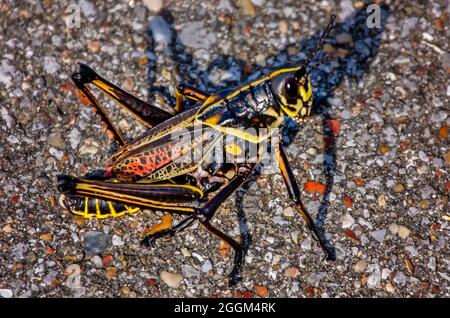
[(6, 73), (378, 235), (153, 5), (6, 293), (50, 65), (74, 137), (206, 266), (347, 221), (97, 261), (117, 240), (306, 244), (58, 154), (87, 8), (289, 211), (173, 280)]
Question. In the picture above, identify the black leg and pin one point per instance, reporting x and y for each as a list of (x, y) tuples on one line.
[(294, 194), (148, 114), (234, 275), (207, 212), (209, 209), (92, 101)]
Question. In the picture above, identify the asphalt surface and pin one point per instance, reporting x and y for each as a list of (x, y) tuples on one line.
[(372, 162)]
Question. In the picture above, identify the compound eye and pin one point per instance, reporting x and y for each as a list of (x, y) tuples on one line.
[(291, 88)]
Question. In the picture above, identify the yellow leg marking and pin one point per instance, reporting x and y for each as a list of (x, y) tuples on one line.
[(89, 189), (97, 207), (76, 212), (178, 100), (87, 213), (86, 202), (146, 203), (119, 214), (131, 210), (112, 209)]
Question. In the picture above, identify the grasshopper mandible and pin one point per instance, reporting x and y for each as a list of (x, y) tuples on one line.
[(153, 171)]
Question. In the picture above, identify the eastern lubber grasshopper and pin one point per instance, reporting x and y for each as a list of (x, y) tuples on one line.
[(153, 171)]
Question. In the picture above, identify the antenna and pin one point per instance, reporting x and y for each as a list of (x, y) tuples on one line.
[(318, 46)]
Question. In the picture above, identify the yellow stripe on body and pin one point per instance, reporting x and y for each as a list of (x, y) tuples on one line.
[(92, 189), (147, 203), (86, 185)]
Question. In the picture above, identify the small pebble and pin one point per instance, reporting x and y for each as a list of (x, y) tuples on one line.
[(125, 290), (97, 261), (55, 140), (342, 38), (196, 36), (160, 29), (247, 7), (306, 244), (190, 271), (117, 240), (6, 293), (260, 59), (294, 236), (289, 211), (283, 26), (403, 232), (347, 221), (153, 5), (379, 235), (185, 252), (360, 266), (400, 278), (95, 242), (173, 280), (292, 272), (51, 66), (206, 266), (87, 8), (389, 288), (374, 279), (382, 201)]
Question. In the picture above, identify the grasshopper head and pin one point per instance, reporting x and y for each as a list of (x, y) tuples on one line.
[(292, 87)]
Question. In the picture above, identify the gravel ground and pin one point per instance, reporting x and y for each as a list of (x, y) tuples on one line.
[(374, 159)]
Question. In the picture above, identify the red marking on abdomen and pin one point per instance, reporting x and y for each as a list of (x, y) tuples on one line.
[(144, 163)]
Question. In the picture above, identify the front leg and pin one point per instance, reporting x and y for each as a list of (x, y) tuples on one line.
[(183, 91), (294, 194)]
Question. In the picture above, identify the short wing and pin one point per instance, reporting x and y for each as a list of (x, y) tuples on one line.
[(171, 149)]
